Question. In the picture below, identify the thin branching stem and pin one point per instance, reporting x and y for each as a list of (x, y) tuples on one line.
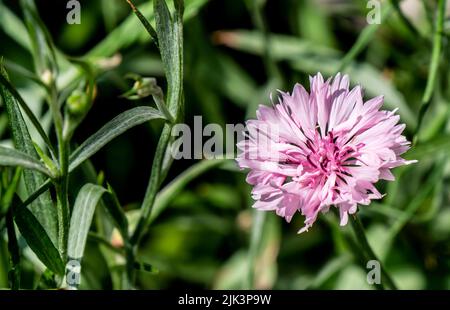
[(434, 65), (362, 240), (61, 183), (364, 39)]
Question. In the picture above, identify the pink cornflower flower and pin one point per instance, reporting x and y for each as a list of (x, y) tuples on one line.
[(314, 150)]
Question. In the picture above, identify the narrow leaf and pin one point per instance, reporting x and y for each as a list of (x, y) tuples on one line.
[(112, 129), (165, 35), (430, 149), (80, 222), (38, 240), (43, 49), (170, 38), (127, 34), (42, 208), (8, 195), (8, 86), (14, 27), (151, 31), (438, 39), (13, 158)]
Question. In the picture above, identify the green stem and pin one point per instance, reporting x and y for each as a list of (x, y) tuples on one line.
[(156, 178), (62, 200), (361, 237), (259, 218), (406, 21), (61, 183), (434, 65), (56, 113), (130, 275), (63, 218), (364, 39), (151, 31), (256, 8)]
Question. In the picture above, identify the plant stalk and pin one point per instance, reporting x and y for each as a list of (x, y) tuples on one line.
[(156, 178), (434, 66), (61, 183), (362, 240)]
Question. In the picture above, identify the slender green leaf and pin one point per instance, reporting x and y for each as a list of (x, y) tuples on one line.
[(170, 37), (81, 220), (430, 149), (23, 72), (8, 195), (14, 27), (126, 33), (151, 31), (332, 267), (164, 27), (42, 208), (5, 83), (364, 38), (38, 239), (44, 187), (259, 218), (157, 175), (111, 130), (14, 158), (44, 53), (434, 65), (434, 178)]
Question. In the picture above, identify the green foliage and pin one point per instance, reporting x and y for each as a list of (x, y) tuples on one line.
[(81, 220), (192, 224), (38, 240), (23, 143)]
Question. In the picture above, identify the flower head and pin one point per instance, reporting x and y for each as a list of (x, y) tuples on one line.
[(314, 150)]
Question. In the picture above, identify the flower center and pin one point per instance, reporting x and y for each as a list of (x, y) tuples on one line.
[(327, 156)]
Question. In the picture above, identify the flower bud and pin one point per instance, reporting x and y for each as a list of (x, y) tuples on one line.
[(78, 102)]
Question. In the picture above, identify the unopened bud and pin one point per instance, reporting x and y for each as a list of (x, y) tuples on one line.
[(78, 102)]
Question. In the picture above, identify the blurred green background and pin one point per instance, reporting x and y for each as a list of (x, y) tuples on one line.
[(236, 54)]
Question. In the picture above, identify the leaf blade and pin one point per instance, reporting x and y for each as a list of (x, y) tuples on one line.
[(14, 158), (111, 130), (41, 208), (80, 222), (38, 239)]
